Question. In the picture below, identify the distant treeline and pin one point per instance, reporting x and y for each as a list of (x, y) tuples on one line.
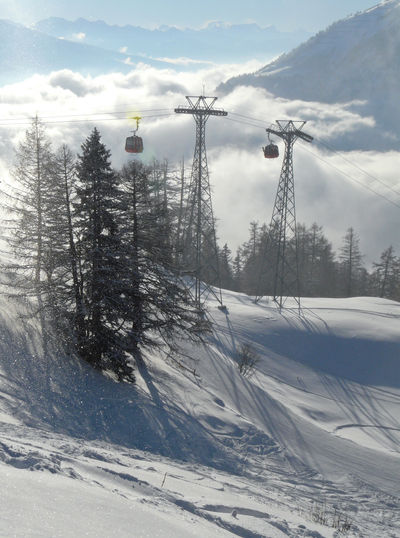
[(322, 272)]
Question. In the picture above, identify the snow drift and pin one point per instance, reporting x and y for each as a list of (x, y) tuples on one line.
[(318, 421)]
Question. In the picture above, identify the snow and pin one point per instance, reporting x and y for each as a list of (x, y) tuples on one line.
[(339, 65), (195, 448)]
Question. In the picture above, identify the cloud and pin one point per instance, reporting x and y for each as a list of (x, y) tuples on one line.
[(328, 191), (128, 61), (79, 36), (332, 187), (183, 61), (215, 24), (74, 82)]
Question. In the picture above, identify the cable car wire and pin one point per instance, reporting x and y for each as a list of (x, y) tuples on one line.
[(244, 123), (83, 120), (19, 119), (331, 148), (101, 113), (246, 117), (168, 112), (367, 187), (351, 177)]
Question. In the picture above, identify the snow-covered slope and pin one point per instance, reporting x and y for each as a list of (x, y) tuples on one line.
[(196, 449), (355, 59)]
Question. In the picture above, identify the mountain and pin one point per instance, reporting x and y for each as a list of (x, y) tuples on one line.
[(95, 48), (357, 58), (308, 441), (25, 52), (215, 42)]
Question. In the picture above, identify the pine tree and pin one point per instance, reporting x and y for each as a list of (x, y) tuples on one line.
[(96, 214), (238, 271), (251, 260), (257, 261), (351, 262), (158, 309), (180, 215), (385, 275), (28, 205), (225, 267), (161, 196), (65, 284), (316, 262)]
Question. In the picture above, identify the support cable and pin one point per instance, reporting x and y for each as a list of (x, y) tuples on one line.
[(167, 112)]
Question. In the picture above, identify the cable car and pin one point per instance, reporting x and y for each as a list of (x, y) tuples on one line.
[(271, 151), (134, 144)]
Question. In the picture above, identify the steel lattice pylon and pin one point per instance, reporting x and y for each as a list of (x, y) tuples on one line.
[(200, 252), (282, 233)]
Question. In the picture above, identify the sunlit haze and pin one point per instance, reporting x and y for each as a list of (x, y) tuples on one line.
[(287, 15)]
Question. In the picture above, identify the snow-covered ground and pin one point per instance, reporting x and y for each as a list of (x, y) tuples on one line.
[(196, 449)]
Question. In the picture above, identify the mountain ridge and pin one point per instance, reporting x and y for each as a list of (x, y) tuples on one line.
[(354, 59), (206, 43)]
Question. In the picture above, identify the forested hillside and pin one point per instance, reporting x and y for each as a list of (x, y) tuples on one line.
[(102, 254)]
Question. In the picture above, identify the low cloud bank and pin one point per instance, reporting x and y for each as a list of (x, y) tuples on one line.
[(333, 188)]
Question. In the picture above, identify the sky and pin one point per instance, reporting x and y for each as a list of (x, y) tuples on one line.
[(330, 190), (286, 15)]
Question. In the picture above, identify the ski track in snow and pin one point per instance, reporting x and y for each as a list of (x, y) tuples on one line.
[(263, 456), (252, 503)]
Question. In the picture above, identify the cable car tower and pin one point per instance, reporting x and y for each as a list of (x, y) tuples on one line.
[(200, 253), (282, 238)]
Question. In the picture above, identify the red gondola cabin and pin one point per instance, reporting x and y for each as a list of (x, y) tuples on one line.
[(134, 144), (271, 151)]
